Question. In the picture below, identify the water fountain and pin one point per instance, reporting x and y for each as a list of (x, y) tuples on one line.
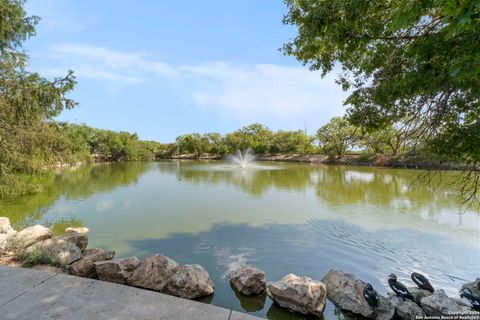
[(243, 159)]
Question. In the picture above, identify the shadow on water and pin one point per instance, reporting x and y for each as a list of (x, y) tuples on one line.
[(312, 249)]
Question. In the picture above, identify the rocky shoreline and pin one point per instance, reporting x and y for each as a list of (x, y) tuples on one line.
[(69, 253)]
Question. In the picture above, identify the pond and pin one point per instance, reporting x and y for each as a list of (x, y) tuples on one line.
[(284, 218)]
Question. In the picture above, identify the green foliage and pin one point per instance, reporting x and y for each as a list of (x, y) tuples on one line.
[(255, 136), (337, 137), (414, 61), (40, 257), (292, 142), (27, 142)]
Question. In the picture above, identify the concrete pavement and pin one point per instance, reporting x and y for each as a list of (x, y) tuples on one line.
[(30, 294)]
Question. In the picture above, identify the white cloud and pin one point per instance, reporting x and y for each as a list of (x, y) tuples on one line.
[(244, 91)]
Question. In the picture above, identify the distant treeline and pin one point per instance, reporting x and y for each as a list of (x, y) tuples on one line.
[(335, 139)]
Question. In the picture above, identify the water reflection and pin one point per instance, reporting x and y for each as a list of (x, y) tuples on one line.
[(308, 249), (78, 183), (281, 217)]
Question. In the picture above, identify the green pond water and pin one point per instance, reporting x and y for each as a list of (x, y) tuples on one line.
[(284, 218)]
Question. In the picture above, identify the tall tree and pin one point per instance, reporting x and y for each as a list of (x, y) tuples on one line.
[(337, 136), (413, 59), (26, 101)]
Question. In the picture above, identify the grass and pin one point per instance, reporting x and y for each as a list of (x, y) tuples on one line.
[(33, 257)]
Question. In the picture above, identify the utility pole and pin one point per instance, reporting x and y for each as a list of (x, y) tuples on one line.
[(305, 128)]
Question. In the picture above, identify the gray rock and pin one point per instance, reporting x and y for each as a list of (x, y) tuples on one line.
[(81, 230), (5, 225), (189, 281), (248, 280), (32, 235), (385, 310), (346, 292), (85, 267), (301, 294), (439, 304), (153, 272), (78, 239), (62, 250), (418, 293), (405, 310), (117, 271), (474, 286)]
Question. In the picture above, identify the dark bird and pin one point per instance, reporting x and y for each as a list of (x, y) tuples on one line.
[(468, 295), (399, 289), (422, 282), (370, 295)]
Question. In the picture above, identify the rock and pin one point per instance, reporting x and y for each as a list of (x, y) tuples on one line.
[(32, 235), (78, 239), (189, 281), (81, 230), (248, 280), (439, 304), (5, 226), (474, 286), (418, 293), (153, 272), (405, 310), (301, 294), (346, 292), (62, 250), (85, 267), (117, 271), (385, 310)]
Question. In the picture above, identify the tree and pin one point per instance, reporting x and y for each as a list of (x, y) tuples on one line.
[(255, 136), (415, 59), (290, 142), (336, 137), (27, 100)]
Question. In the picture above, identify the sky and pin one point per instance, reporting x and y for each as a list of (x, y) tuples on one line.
[(167, 68)]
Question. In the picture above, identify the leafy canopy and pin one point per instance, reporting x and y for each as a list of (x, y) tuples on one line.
[(27, 142), (412, 60)]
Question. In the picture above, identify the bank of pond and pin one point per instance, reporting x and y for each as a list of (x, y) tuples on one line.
[(69, 253)]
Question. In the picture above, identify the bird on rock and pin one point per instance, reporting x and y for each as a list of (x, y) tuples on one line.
[(422, 282), (468, 295), (370, 295), (399, 289)]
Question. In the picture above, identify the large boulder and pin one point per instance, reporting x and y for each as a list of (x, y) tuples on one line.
[(418, 293), (117, 271), (439, 304), (474, 286), (301, 294), (85, 267), (385, 310), (64, 251), (405, 309), (5, 226), (32, 235), (346, 292), (78, 239), (248, 280), (189, 281), (153, 273)]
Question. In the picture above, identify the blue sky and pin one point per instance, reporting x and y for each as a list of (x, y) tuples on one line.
[(166, 68)]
